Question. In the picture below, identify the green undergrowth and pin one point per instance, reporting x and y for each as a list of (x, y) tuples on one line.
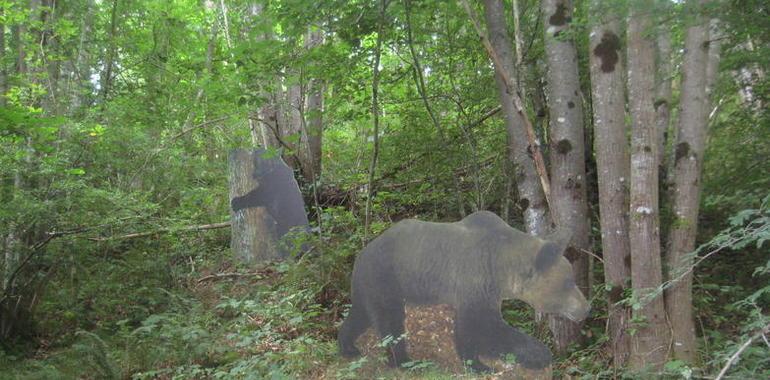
[(176, 307)]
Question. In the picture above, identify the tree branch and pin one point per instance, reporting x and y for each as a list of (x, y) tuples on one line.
[(517, 102), (201, 227)]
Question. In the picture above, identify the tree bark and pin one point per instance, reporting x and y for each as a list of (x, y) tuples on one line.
[(690, 146), (568, 174), (3, 72), (109, 61), (251, 228), (611, 149), (650, 343), (312, 133), (663, 94), (375, 120), (80, 82), (531, 197)]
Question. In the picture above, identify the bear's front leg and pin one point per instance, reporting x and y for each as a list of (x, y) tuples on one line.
[(481, 331), (471, 336)]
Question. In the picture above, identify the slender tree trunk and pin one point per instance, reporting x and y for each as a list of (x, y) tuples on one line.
[(292, 133), (690, 146), (312, 134), (663, 95), (109, 61), (3, 72), (611, 149), (531, 197), (207, 72), (650, 344), (80, 90), (375, 119), (568, 175)]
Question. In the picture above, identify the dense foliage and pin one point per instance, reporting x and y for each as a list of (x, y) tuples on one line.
[(117, 116)]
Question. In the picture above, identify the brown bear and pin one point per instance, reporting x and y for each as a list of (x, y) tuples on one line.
[(471, 265)]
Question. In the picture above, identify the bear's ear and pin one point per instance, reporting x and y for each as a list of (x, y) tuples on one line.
[(561, 237)]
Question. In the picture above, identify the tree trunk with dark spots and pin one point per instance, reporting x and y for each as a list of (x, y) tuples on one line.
[(531, 198), (568, 174), (688, 160), (663, 95), (611, 149), (650, 343)]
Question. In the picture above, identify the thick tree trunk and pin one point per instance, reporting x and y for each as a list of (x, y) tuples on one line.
[(531, 197), (611, 149), (568, 174), (690, 146), (650, 344), (252, 228), (714, 57)]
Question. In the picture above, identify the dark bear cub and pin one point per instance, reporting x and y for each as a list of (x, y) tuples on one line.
[(471, 265)]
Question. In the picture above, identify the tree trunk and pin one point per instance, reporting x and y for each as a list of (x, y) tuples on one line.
[(714, 57), (375, 120), (292, 133), (80, 90), (650, 344), (312, 134), (531, 197), (211, 47), (3, 76), (568, 175), (611, 149), (109, 61), (252, 229), (663, 95), (690, 146)]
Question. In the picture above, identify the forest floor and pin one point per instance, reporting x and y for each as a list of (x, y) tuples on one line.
[(221, 323)]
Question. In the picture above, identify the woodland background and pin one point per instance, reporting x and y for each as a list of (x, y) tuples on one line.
[(641, 125)]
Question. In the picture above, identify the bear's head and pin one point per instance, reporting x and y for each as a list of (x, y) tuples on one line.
[(550, 285)]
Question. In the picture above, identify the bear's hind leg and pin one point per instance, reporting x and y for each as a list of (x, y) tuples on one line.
[(354, 325), (389, 322)]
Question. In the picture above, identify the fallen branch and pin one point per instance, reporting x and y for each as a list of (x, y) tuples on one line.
[(217, 276), (202, 227)]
